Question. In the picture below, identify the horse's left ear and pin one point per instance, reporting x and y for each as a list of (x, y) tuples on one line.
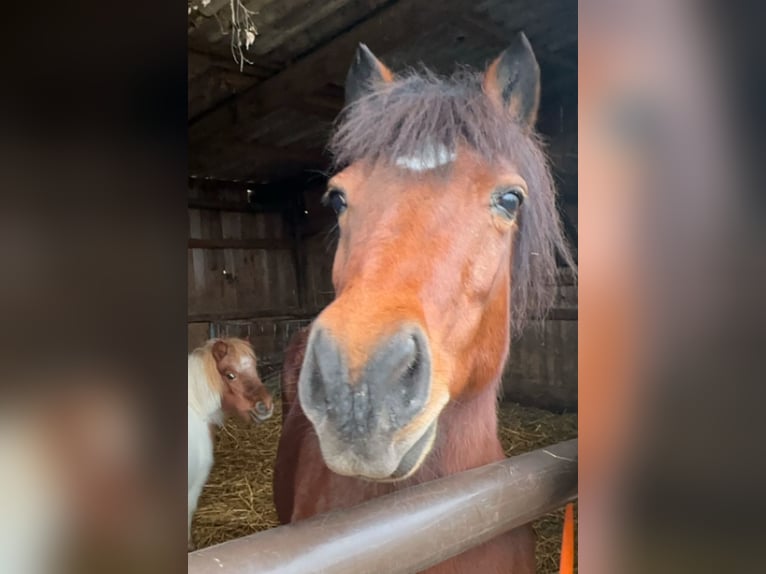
[(365, 71), (220, 348), (513, 81)]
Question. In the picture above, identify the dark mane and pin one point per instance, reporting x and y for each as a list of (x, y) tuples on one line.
[(400, 118)]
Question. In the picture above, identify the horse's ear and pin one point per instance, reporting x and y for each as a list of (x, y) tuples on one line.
[(365, 71), (220, 348), (513, 81)]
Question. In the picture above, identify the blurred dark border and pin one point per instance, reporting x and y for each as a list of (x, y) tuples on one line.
[(680, 488), (93, 228)]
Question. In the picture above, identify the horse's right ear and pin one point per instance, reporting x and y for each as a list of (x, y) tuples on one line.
[(219, 350), (513, 81), (365, 71)]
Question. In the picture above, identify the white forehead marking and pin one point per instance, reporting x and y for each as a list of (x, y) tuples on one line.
[(430, 157), (245, 362)]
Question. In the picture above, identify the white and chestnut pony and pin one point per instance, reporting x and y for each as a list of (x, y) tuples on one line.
[(223, 380)]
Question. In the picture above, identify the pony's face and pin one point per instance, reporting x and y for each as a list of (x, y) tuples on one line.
[(243, 392), (422, 277)]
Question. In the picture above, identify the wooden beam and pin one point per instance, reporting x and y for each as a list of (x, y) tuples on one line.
[(211, 160), (256, 70), (385, 29), (485, 29), (276, 314), (562, 314), (319, 105), (299, 262), (240, 244), (327, 102), (213, 86), (215, 205), (257, 205), (306, 182)]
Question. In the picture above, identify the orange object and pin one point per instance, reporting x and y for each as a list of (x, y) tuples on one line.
[(566, 566)]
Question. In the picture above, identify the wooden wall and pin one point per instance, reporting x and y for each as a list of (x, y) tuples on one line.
[(241, 259), (541, 370), (318, 243), (263, 254), (229, 274)]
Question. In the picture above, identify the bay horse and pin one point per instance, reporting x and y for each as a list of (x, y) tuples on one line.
[(448, 240), (223, 380)]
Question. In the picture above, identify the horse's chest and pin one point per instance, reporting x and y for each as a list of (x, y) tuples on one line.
[(329, 491)]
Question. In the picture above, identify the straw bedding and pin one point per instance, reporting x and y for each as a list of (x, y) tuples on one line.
[(237, 499)]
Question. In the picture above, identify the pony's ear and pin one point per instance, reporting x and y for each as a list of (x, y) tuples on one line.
[(365, 71), (220, 348), (513, 81)]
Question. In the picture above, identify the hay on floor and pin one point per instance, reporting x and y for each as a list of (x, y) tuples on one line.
[(237, 500)]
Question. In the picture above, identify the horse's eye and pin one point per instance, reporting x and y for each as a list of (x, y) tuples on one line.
[(231, 376), (509, 200), (335, 199)]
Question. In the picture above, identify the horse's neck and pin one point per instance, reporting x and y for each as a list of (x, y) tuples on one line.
[(466, 436), (203, 399)]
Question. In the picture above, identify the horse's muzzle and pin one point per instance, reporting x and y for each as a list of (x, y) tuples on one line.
[(261, 412), (360, 422)]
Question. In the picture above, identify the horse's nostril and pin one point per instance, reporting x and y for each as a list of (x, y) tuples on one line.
[(414, 377), (323, 385), (261, 408), (261, 412), (415, 359), (399, 375)]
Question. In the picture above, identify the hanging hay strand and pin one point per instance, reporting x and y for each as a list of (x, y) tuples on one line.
[(237, 499)]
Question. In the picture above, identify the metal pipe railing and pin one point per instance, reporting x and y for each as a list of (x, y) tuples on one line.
[(409, 530)]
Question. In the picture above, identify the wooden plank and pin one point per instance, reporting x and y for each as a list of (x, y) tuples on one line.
[(194, 278), (200, 60), (207, 289), (212, 87), (217, 205), (197, 334), (210, 225), (299, 183), (327, 102), (562, 314), (565, 277), (253, 314), (541, 370), (231, 225), (385, 29), (230, 243), (322, 109), (234, 224), (274, 289), (263, 202), (319, 253), (213, 159)]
